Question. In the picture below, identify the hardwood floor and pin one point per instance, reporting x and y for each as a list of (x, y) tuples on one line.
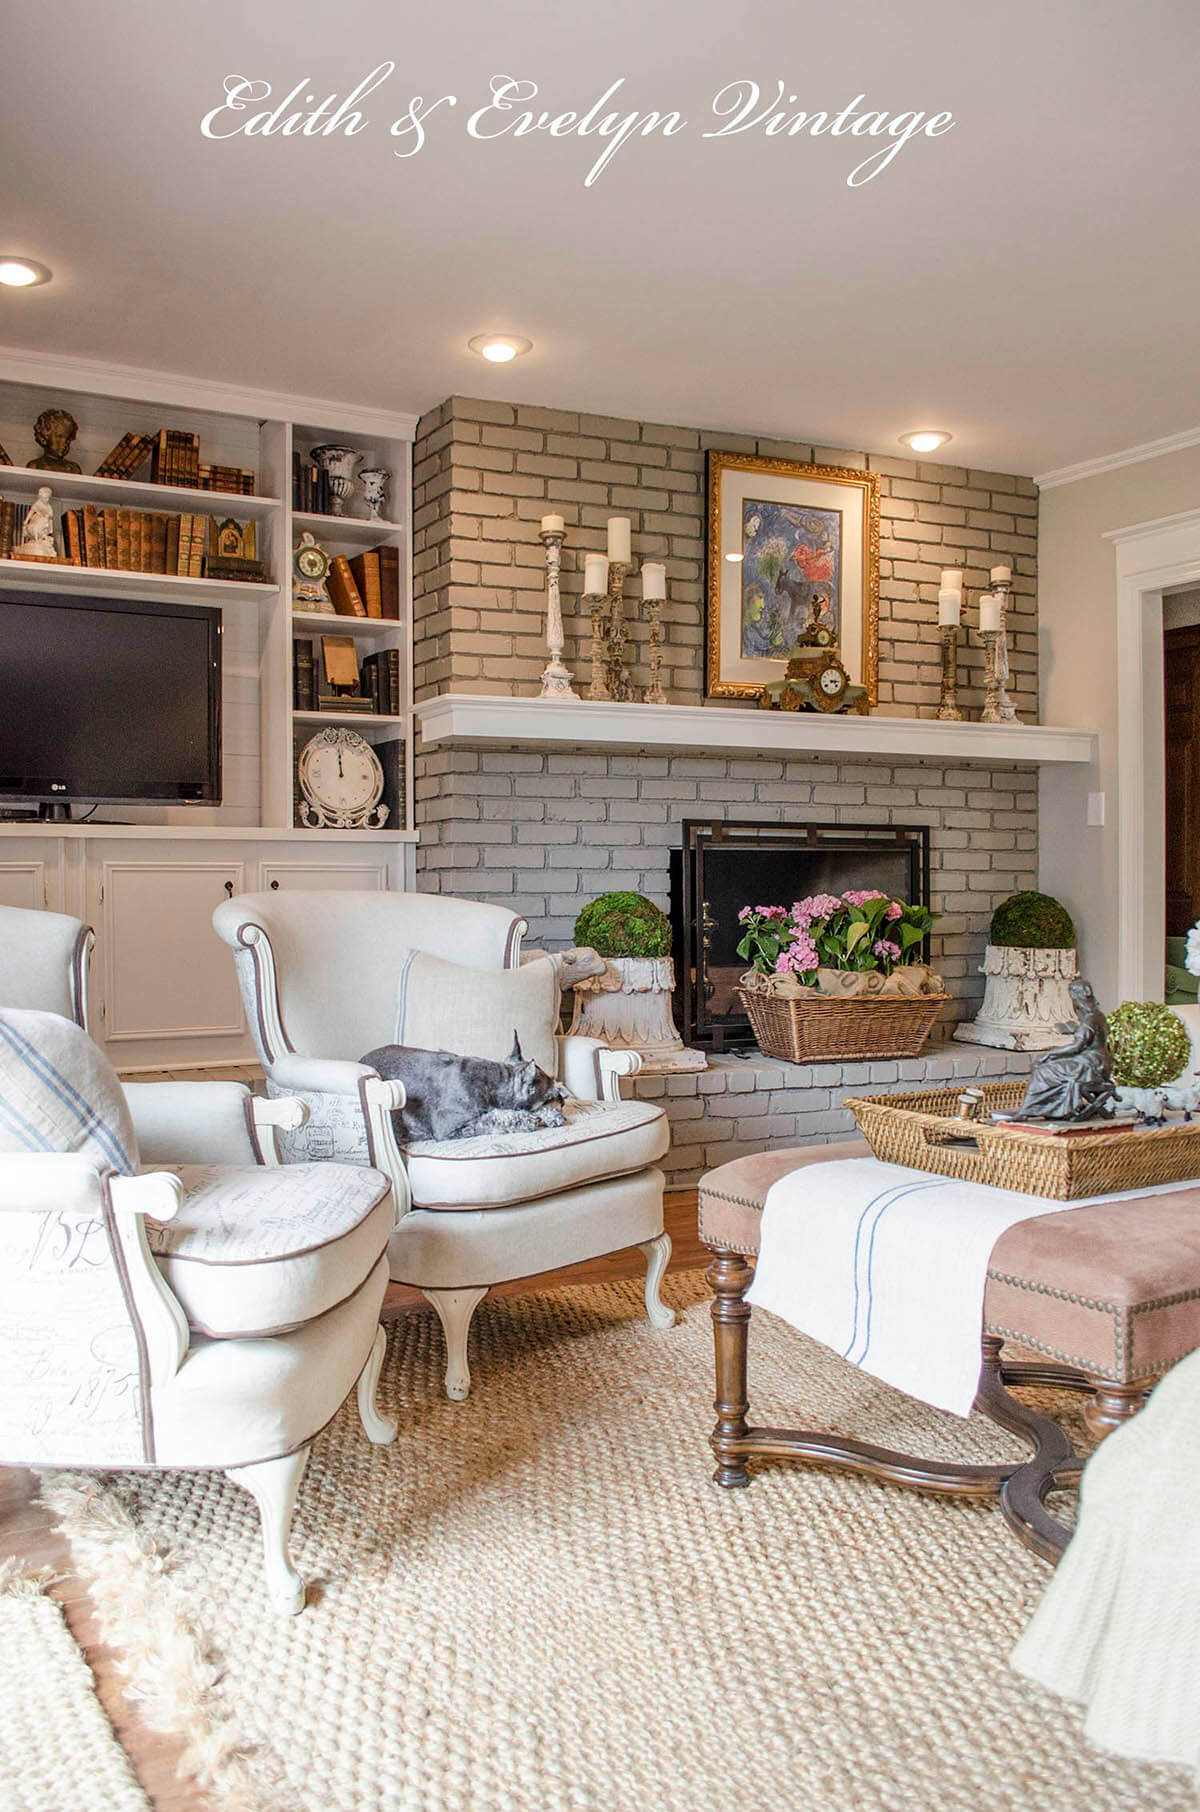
[(28, 1531)]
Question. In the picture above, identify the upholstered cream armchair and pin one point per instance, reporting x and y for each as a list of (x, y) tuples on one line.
[(210, 1316), (329, 977)]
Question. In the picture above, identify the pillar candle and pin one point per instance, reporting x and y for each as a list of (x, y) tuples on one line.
[(618, 539), (989, 612), (595, 575), (553, 525), (654, 579), (1001, 575), (952, 577), (949, 607)]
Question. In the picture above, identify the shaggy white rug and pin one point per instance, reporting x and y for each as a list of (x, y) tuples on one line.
[(536, 1601), (57, 1749)]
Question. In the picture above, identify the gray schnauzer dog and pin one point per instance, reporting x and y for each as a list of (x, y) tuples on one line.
[(451, 1097)]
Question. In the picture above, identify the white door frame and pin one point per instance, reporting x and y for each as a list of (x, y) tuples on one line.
[(1151, 557)]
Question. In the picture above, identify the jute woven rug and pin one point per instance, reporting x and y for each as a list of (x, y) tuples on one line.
[(57, 1749), (536, 1601)]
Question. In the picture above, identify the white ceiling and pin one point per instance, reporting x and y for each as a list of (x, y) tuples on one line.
[(1028, 280)]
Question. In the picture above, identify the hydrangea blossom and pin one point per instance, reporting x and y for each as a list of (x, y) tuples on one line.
[(858, 896), (886, 950), (800, 958)]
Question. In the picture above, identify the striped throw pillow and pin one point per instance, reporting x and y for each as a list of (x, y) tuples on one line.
[(58, 1092)]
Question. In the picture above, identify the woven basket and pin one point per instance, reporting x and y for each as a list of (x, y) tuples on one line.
[(821, 1028), (921, 1131)]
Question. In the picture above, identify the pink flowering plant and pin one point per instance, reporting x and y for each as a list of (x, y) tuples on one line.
[(861, 929)]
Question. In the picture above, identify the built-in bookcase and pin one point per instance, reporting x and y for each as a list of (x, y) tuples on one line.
[(257, 431)]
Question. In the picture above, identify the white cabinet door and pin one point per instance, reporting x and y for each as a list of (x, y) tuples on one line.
[(23, 884), (362, 876), (169, 990)]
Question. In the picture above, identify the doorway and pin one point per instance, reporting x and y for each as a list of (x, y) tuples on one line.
[(1181, 784)]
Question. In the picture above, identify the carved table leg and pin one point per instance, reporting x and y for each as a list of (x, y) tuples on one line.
[(729, 1277), (1111, 1404)]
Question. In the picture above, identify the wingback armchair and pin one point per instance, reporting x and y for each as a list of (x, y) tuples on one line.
[(321, 978), (44, 962), (212, 1316)]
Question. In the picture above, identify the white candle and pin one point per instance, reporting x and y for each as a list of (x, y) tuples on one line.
[(989, 612), (1001, 575), (553, 525), (595, 575), (654, 579), (952, 577), (949, 607), (618, 539)]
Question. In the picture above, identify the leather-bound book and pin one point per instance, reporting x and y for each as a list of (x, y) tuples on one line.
[(93, 536), (389, 580), (343, 591), (365, 568), (158, 543)]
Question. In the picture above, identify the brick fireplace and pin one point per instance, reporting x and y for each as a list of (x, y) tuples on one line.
[(544, 828)]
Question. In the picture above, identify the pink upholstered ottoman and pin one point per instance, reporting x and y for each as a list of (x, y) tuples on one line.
[(1110, 1294)]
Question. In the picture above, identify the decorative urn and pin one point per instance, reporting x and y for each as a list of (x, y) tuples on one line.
[(1028, 964), (628, 1003)]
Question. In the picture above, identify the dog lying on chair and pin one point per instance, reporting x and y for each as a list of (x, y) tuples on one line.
[(452, 1097)]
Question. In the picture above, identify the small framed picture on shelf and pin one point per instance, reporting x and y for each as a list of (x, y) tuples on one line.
[(793, 551)]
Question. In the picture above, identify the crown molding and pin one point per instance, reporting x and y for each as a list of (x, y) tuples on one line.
[(1112, 462), (100, 378)]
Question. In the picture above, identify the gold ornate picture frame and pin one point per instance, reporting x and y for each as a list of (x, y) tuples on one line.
[(791, 548)]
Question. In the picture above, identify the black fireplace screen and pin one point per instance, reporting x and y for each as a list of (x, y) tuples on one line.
[(723, 867)]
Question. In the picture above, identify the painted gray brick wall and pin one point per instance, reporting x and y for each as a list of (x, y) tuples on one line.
[(486, 472)]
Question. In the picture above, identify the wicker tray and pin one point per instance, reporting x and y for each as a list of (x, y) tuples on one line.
[(823, 1028), (920, 1130)]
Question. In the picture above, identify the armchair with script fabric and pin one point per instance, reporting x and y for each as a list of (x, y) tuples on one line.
[(328, 976), (206, 1313)]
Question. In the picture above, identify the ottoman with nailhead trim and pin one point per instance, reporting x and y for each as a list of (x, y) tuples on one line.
[(1108, 1296)]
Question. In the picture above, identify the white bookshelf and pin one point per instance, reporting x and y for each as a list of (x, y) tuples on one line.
[(251, 429)]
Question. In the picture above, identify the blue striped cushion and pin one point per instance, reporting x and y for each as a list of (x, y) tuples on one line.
[(58, 1092)]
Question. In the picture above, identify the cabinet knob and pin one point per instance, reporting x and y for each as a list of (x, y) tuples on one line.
[(274, 886), (229, 889)]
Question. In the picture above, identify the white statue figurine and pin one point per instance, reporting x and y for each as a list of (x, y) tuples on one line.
[(37, 530)]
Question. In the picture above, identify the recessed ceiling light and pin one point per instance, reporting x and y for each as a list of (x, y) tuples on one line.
[(22, 273), (925, 440), (500, 347), (735, 557)]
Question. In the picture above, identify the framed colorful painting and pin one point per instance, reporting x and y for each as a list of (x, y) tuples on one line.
[(791, 549)]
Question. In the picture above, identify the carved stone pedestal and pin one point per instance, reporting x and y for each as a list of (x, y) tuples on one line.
[(1025, 1001), (629, 1006)]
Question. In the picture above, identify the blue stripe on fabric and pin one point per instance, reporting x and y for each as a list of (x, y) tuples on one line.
[(30, 1137), (858, 1233), (90, 1120), (901, 1195)]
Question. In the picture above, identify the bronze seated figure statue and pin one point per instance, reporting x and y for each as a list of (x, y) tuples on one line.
[(1075, 1082)]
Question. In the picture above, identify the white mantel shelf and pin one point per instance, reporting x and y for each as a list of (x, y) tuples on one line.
[(478, 718)]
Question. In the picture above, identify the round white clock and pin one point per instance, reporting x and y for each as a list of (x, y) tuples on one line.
[(341, 782)]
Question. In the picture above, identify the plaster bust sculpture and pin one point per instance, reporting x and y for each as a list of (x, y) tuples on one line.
[(1075, 1082), (54, 430)]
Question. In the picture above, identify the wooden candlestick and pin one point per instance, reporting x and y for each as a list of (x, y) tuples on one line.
[(654, 691), (998, 708), (948, 709), (618, 677), (598, 688)]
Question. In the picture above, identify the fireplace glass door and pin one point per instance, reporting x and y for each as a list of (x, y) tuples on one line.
[(723, 867)]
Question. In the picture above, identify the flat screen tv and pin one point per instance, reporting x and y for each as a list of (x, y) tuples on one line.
[(109, 701)]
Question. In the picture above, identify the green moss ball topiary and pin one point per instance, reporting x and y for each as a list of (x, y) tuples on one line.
[(624, 924), (1032, 921), (1149, 1044)]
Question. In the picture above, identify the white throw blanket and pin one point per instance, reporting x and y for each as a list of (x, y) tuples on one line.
[(888, 1267)]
